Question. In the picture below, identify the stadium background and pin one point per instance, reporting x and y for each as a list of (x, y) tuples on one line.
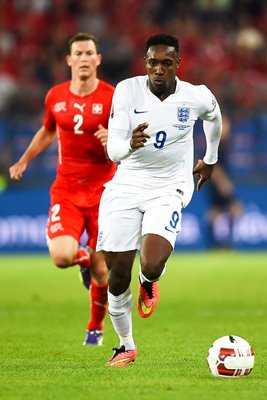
[(223, 45)]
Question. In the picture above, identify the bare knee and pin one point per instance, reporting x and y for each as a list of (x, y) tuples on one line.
[(120, 266), (99, 270), (100, 275), (61, 260), (62, 250), (119, 280), (152, 268), (155, 251)]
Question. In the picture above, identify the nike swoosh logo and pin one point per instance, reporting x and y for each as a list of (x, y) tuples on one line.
[(168, 229), (139, 112), (121, 360), (145, 309)]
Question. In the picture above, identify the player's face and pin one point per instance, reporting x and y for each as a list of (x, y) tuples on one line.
[(161, 65), (83, 59)]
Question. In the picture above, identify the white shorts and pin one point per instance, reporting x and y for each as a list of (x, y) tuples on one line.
[(125, 217)]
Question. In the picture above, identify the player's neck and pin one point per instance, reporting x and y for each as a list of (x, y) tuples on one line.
[(83, 88)]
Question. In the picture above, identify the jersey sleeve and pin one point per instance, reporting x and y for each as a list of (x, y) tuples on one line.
[(212, 125), (119, 116), (119, 133), (49, 121), (209, 104)]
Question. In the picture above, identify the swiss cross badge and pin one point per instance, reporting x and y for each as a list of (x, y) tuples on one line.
[(97, 108)]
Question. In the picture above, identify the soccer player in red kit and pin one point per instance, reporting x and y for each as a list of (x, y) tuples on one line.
[(76, 114)]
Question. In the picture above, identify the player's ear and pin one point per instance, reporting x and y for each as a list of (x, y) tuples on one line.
[(99, 59), (68, 60)]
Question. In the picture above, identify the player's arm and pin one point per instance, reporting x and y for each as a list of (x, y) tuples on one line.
[(40, 142), (212, 126), (120, 147), (122, 140)]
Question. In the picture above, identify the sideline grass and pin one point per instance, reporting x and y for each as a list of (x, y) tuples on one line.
[(43, 314)]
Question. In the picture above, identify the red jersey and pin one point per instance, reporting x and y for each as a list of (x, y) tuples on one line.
[(82, 161)]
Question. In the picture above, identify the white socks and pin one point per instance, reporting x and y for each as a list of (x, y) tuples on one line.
[(120, 312)]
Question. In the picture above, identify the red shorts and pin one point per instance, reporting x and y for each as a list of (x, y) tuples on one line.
[(65, 218)]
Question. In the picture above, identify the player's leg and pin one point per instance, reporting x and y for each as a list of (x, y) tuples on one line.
[(64, 229), (120, 306), (119, 236), (98, 299), (155, 251), (99, 282), (64, 251), (161, 223)]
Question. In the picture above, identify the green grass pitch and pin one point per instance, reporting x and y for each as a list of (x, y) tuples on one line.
[(44, 311)]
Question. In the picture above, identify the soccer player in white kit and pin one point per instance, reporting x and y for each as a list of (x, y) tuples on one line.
[(151, 134)]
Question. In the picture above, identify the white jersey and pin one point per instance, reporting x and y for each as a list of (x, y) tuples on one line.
[(166, 161)]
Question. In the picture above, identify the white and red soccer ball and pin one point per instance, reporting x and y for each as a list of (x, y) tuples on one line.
[(230, 356)]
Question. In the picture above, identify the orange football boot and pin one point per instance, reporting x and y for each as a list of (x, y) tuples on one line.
[(122, 357), (148, 298)]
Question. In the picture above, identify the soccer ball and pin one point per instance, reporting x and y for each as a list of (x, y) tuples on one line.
[(230, 356)]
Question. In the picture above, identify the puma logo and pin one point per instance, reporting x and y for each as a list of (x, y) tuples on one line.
[(76, 105)]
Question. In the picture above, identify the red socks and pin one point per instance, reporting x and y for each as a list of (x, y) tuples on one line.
[(98, 293), (99, 303), (82, 258)]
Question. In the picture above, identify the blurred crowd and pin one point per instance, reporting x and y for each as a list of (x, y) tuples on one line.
[(223, 45)]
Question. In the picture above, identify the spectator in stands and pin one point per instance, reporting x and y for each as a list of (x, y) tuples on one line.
[(225, 207)]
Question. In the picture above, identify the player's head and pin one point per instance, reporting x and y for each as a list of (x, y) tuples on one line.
[(82, 37), (163, 39), (83, 56), (162, 60)]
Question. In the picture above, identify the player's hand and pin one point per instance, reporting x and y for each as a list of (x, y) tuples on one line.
[(102, 135), (16, 170), (139, 137), (204, 172)]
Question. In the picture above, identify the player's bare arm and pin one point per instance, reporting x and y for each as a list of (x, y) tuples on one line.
[(139, 137), (40, 142), (204, 172)]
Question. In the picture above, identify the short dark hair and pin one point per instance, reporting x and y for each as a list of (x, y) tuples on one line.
[(163, 38), (80, 37)]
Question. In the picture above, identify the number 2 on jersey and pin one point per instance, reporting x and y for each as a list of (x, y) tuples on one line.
[(54, 213), (78, 120), (160, 139)]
